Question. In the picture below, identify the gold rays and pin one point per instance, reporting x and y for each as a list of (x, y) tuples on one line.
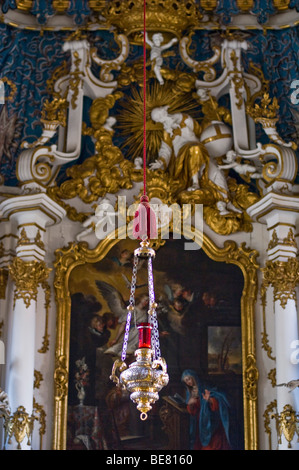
[(130, 117)]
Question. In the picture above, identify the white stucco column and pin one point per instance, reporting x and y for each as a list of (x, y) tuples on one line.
[(29, 216), (281, 271)]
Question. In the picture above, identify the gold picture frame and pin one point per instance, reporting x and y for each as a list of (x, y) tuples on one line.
[(76, 254)]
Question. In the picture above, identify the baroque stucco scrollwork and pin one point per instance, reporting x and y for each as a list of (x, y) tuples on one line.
[(115, 128), (100, 97)]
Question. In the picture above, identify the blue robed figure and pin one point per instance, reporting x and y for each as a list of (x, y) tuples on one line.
[(209, 414)]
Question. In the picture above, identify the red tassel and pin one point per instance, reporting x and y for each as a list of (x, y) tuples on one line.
[(144, 224)]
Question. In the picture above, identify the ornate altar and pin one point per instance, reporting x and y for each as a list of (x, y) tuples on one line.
[(221, 170)]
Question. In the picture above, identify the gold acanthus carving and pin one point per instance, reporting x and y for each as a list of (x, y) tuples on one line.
[(283, 276), (38, 378), (28, 276), (251, 377), (46, 338), (23, 238), (73, 255), (55, 111)]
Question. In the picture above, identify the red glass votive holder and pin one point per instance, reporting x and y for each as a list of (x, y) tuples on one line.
[(144, 332)]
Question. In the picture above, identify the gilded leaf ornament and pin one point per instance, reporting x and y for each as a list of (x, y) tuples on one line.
[(27, 275), (283, 276)]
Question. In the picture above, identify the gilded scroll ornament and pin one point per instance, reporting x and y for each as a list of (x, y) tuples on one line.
[(251, 377), (274, 240), (272, 377), (283, 276), (270, 412), (290, 240), (45, 342), (13, 88), (38, 378), (60, 378), (267, 109), (115, 64), (41, 418)]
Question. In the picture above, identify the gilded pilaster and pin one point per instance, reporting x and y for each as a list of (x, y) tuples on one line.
[(280, 275), (28, 217)]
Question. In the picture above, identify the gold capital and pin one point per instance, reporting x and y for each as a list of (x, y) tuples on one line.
[(28, 275)]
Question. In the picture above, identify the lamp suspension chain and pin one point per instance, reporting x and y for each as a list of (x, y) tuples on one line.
[(130, 308)]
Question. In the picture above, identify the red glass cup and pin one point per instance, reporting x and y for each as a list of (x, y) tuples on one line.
[(144, 334)]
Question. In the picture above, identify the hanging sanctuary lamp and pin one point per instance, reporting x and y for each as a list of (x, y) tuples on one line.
[(145, 377)]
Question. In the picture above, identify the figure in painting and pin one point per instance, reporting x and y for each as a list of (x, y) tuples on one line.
[(157, 47), (140, 316), (209, 415), (118, 306)]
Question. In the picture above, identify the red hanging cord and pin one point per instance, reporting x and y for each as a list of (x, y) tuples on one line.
[(144, 98), (144, 225)]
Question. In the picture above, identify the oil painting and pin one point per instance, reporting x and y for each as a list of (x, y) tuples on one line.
[(199, 317)]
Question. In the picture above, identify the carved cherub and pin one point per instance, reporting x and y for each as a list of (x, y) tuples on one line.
[(241, 168), (157, 47)]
